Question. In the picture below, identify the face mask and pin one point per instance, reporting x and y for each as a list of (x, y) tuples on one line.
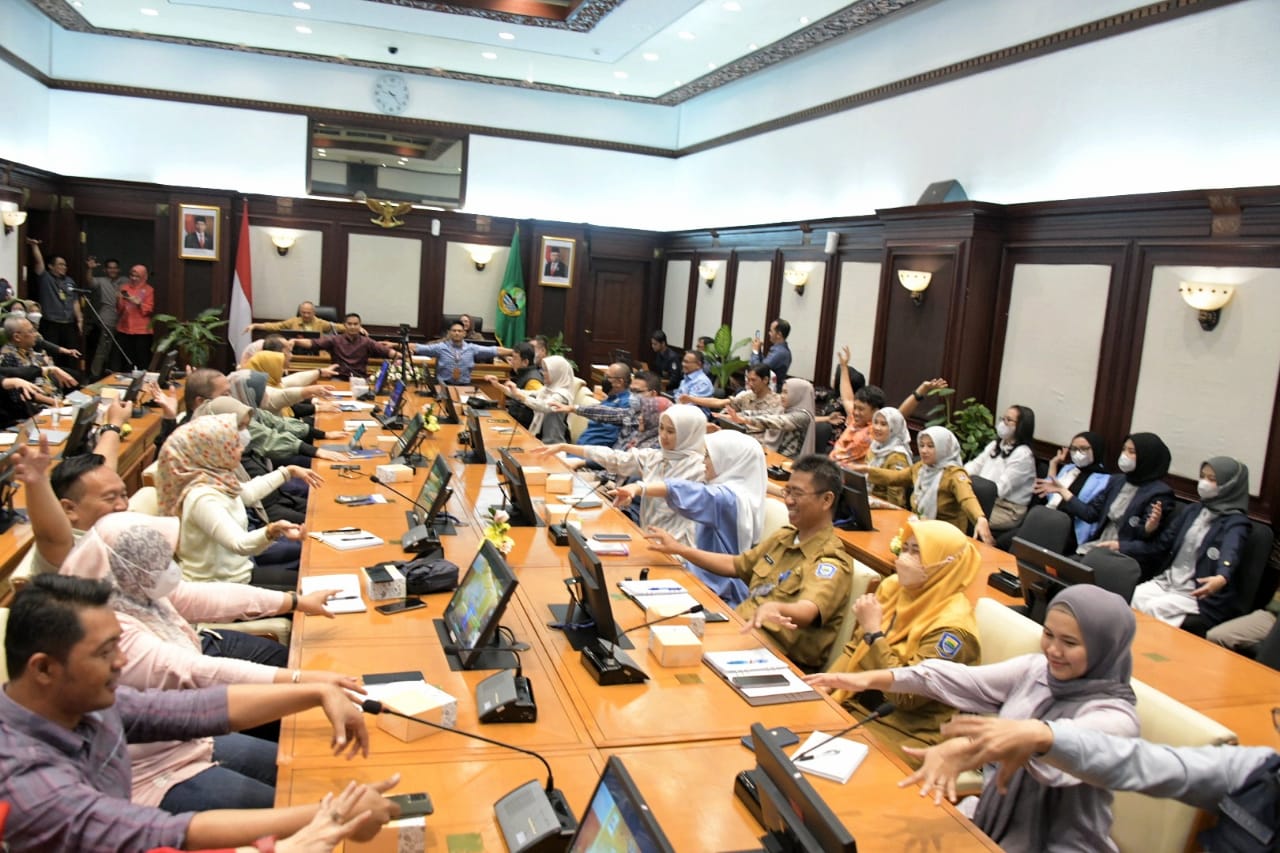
[(910, 570), (166, 582), (1004, 431), (35, 319), (1127, 463), (1207, 491), (1082, 458), (244, 438)]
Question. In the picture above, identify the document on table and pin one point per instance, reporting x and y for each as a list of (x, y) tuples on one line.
[(349, 540), (667, 596), (759, 676), (832, 758), (346, 600)]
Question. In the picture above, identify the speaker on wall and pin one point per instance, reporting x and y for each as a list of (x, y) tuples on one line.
[(941, 192)]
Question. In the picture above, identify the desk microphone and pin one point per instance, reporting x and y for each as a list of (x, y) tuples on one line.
[(531, 813), (397, 492), (609, 664), (884, 710), (419, 538), (697, 608), (559, 533)]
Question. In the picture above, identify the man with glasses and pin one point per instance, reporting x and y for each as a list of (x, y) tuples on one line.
[(799, 578)]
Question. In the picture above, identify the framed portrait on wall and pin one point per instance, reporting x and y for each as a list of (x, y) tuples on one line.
[(198, 232), (556, 262)]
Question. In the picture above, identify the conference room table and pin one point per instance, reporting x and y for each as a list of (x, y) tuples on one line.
[(678, 733)]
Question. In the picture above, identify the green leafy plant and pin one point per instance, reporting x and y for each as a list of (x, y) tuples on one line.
[(972, 423), (557, 346), (722, 353), (196, 338)]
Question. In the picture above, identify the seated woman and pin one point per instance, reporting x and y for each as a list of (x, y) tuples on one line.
[(891, 450), (154, 606), (794, 425), (917, 614), (860, 404), (681, 432), (728, 508), (1078, 468), (1127, 507), (197, 482), (548, 424), (941, 488), (278, 438), (286, 394), (1009, 463), (287, 503), (646, 435), (1205, 545), (1082, 675)]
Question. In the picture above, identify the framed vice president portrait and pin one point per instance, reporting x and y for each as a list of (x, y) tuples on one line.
[(556, 262), (198, 232)]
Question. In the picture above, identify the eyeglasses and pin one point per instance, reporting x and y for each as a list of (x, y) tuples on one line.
[(1008, 420), (788, 492)]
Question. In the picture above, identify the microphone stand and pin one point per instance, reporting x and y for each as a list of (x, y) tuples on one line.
[(419, 539), (609, 665), (86, 291), (883, 710)]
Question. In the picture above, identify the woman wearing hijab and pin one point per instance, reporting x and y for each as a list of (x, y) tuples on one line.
[(154, 606), (891, 450), (280, 439), (1204, 546), (1008, 462), (919, 613), (681, 433), (941, 488), (548, 424), (288, 503), (285, 395), (728, 508), (794, 426), (646, 435), (1079, 469), (197, 482), (1082, 675), (1129, 503)]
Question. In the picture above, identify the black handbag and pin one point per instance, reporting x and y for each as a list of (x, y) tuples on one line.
[(426, 575)]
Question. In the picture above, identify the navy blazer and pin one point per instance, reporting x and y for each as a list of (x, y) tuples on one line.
[(1134, 541), (1219, 553)]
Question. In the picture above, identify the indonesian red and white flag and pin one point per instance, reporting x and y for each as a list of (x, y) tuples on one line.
[(241, 314)]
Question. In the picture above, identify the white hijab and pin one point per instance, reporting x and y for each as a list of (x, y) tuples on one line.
[(947, 455), (739, 463), (800, 399), (899, 440), (558, 388), (685, 462)]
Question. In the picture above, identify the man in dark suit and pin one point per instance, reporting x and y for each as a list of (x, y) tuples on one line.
[(199, 238), (555, 268)]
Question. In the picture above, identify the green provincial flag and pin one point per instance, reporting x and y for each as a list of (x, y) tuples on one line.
[(510, 324)]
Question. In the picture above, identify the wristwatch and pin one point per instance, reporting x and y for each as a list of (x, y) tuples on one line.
[(871, 636), (111, 428)]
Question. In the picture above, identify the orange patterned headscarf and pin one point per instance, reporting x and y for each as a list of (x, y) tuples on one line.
[(202, 452)]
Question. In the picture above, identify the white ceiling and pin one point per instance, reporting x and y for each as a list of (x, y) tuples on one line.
[(641, 49)]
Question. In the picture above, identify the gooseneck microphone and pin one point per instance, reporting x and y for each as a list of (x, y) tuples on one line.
[(419, 538), (884, 710), (374, 478), (608, 664), (697, 608)]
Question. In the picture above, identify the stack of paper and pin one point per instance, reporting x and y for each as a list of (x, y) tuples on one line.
[(666, 596), (759, 676), (348, 540), (346, 600), (609, 549), (831, 758)]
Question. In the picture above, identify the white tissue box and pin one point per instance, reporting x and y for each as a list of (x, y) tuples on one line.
[(382, 583), (394, 473)]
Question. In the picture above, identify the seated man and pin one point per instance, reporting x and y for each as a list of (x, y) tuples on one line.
[(617, 390), (306, 321), (626, 420), (22, 351), (758, 398), (695, 382), (527, 377), (798, 579), (456, 357), (63, 722), (350, 350)]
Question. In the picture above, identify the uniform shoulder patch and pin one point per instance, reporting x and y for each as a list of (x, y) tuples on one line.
[(962, 478), (949, 645), (826, 570)]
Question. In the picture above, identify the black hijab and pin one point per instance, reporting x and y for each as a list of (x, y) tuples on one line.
[(1153, 458), (1097, 466)]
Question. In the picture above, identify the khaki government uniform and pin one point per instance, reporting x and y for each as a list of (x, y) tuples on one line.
[(896, 495), (957, 504), (295, 324), (817, 570)]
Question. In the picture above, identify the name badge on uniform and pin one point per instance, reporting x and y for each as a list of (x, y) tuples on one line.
[(1133, 521), (784, 576), (768, 559), (825, 570), (1213, 553), (949, 646)]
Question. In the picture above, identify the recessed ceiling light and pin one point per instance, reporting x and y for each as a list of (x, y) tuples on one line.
[(731, 6), (677, 82), (753, 46), (77, 4), (302, 28), (507, 36), (650, 57), (489, 54), (621, 75), (804, 21), (686, 35), (711, 65), (149, 12), (301, 7)]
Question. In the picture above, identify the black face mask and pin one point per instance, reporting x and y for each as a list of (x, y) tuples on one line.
[(606, 385)]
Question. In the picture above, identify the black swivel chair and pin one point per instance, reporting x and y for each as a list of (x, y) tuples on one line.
[(327, 312), (1268, 651), (1045, 527), (986, 492), (1114, 571)]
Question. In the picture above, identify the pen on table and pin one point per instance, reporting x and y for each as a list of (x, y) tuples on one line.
[(358, 539), (340, 530), (342, 598)]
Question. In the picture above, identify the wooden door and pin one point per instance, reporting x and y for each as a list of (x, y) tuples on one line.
[(615, 312)]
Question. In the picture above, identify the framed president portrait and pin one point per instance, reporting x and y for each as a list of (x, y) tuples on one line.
[(198, 232), (555, 264)]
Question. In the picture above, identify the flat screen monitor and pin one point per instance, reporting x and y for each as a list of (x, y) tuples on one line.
[(1043, 574), (593, 588), (135, 387), (517, 491), (407, 449), (434, 491), (475, 441), (78, 438), (446, 400), (792, 813), (617, 817), (380, 383), (473, 614), (853, 509), (162, 364), (392, 408)]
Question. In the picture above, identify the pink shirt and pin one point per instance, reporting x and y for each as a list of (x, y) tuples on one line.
[(135, 319)]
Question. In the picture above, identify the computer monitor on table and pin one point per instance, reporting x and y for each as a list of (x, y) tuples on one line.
[(380, 383), (589, 617), (406, 452), (793, 814), (1043, 574), (516, 489), (853, 507), (445, 399), (86, 415), (472, 616), (474, 454), (617, 817)]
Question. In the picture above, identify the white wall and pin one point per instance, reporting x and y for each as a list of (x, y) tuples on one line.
[(675, 301), (856, 308), (708, 304), (468, 290), (1056, 312), (803, 312), (281, 282), (1210, 393), (382, 278), (751, 298)]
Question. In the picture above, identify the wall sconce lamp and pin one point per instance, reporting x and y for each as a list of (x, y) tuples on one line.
[(798, 276), (13, 219), (1208, 299), (708, 270), (283, 243), (480, 255), (915, 281)]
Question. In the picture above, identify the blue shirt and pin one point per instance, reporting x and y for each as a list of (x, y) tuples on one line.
[(602, 433), (454, 364), (696, 384), (715, 511), (778, 360)]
